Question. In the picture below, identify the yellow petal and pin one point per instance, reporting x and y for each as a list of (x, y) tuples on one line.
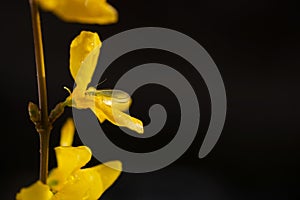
[(70, 159), (84, 52), (38, 190), (109, 172), (67, 133), (81, 11), (90, 183), (56, 179), (75, 189), (117, 117)]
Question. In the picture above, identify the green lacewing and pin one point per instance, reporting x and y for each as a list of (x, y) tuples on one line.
[(115, 98)]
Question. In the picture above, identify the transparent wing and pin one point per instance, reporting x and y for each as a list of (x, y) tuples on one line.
[(117, 99)]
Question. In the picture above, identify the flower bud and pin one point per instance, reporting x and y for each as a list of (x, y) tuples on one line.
[(34, 112), (56, 112)]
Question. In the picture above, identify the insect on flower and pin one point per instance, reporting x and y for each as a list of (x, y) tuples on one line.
[(106, 104), (117, 98)]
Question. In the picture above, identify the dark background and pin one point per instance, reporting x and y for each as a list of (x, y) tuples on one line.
[(256, 47)]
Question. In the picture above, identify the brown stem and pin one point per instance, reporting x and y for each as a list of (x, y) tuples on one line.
[(44, 154), (44, 127)]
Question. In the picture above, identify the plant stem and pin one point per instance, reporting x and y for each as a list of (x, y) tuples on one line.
[(44, 154), (44, 127)]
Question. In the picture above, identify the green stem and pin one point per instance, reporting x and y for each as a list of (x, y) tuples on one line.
[(44, 127)]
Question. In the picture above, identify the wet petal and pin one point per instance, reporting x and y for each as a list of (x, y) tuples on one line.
[(81, 11), (70, 159), (117, 117), (56, 179), (84, 52), (38, 190), (90, 183)]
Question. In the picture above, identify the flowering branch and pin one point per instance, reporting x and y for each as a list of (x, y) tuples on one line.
[(44, 127), (106, 105)]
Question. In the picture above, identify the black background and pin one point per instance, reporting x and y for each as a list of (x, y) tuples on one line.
[(256, 47)]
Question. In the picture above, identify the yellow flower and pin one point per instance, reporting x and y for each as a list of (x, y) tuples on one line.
[(37, 191), (68, 181), (106, 104), (81, 11)]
